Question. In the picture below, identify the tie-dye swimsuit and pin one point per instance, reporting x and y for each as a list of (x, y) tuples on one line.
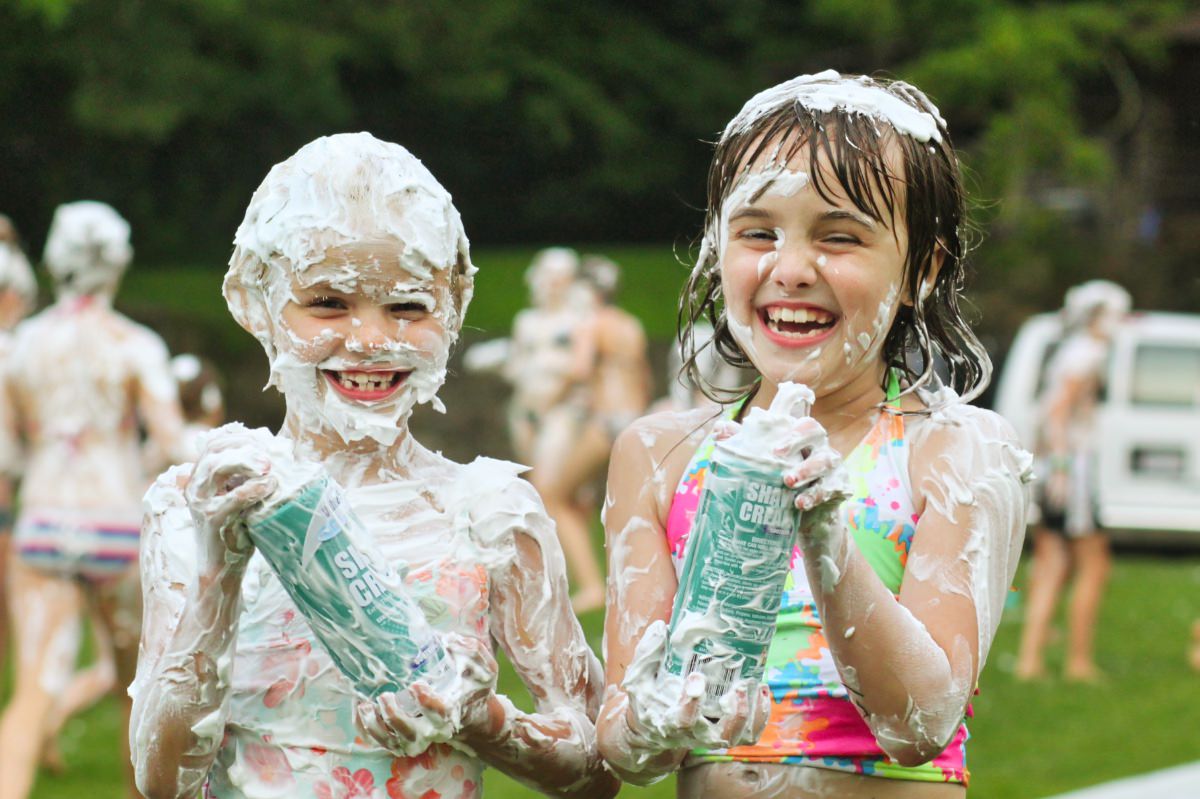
[(813, 722)]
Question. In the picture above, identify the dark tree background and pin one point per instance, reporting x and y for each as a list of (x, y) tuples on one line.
[(553, 121)]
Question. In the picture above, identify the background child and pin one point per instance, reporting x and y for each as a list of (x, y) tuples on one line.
[(81, 377), (617, 390), (1067, 441), (552, 366), (352, 269), (18, 295), (832, 257), (200, 398)]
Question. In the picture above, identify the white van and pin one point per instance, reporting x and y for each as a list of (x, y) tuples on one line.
[(1149, 459)]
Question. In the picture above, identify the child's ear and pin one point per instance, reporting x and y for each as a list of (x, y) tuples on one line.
[(249, 309), (930, 280)]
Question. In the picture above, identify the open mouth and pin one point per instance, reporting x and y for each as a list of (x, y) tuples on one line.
[(791, 326), (366, 386)]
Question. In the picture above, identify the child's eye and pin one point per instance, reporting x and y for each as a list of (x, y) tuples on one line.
[(407, 310), (757, 233), (842, 239), (326, 303)]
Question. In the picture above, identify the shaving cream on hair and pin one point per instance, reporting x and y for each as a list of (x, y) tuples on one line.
[(828, 90), (87, 248)]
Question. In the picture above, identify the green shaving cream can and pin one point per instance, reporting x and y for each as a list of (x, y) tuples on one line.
[(737, 560), (354, 602)]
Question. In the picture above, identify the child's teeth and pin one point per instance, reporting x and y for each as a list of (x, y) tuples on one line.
[(365, 381)]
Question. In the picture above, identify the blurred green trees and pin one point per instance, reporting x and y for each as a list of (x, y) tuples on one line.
[(554, 121)]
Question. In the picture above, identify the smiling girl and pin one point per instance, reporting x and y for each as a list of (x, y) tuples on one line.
[(831, 257), (352, 269)]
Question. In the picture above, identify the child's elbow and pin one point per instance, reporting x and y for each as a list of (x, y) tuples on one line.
[(914, 744), (601, 785), (911, 755)]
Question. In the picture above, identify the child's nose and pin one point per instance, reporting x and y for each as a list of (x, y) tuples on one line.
[(796, 266), (370, 332)]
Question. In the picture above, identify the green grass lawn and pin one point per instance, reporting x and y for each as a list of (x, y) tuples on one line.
[(1027, 741)]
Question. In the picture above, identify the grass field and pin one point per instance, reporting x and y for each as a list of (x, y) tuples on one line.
[(1028, 741)]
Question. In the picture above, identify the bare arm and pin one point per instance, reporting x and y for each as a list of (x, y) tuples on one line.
[(911, 665), (584, 344), (192, 563), (650, 719), (1072, 391), (11, 444), (158, 400), (554, 748), (641, 590)]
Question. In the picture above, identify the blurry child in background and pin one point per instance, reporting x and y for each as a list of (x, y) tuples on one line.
[(716, 375), (352, 269), (199, 397), (1067, 536), (618, 392), (81, 377), (551, 366), (832, 248), (18, 294)]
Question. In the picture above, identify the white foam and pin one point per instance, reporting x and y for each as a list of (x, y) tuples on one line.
[(828, 90)]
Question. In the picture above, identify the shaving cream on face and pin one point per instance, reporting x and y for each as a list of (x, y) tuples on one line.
[(87, 248), (862, 298), (312, 350), (551, 275), (336, 196), (897, 106)]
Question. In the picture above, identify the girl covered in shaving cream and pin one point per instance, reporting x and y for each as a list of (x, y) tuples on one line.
[(832, 257)]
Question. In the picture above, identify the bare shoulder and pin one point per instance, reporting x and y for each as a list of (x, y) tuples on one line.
[(659, 434), (136, 335), (620, 325), (964, 439), (655, 450)]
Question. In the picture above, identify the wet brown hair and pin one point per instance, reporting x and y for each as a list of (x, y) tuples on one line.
[(928, 197)]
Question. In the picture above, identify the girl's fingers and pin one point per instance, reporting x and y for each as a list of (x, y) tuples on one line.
[(427, 698), (737, 717), (394, 719), (725, 428), (688, 713), (806, 436), (820, 462), (370, 722), (760, 712)]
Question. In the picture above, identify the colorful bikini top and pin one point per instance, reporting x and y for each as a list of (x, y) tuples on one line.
[(813, 721)]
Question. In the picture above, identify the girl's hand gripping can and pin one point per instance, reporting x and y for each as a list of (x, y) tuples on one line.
[(738, 554), (354, 601)]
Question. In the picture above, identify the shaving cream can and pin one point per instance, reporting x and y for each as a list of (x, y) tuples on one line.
[(738, 555), (355, 603)]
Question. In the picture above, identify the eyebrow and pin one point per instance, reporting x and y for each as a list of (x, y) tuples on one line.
[(840, 214), (749, 211)]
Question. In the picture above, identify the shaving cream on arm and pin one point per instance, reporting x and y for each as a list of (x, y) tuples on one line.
[(911, 662), (506, 528), (191, 604)]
